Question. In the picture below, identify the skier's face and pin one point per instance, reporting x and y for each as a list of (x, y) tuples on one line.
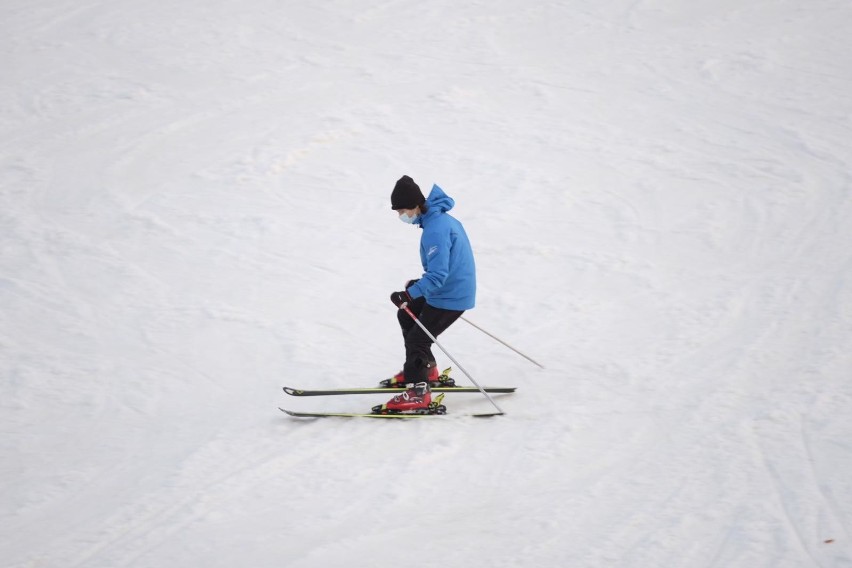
[(408, 216)]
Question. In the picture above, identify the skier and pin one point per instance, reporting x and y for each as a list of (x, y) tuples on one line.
[(439, 297)]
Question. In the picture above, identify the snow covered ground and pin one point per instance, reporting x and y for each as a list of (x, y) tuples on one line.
[(194, 211)]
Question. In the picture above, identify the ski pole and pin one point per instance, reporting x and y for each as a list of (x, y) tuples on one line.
[(404, 306), (492, 336)]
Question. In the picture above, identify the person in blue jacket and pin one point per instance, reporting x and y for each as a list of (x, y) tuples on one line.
[(440, 296)]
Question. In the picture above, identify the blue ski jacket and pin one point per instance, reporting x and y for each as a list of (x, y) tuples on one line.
[(449, 278)]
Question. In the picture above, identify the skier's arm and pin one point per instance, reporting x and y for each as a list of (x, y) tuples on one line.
[(437, 266)]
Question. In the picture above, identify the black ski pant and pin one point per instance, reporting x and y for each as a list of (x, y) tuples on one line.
[(418, 346)]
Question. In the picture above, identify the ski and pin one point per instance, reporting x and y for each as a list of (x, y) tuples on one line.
[(389, 390), (370, 415)]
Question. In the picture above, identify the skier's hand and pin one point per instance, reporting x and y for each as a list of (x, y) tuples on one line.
[(411, 283), (400, 298)]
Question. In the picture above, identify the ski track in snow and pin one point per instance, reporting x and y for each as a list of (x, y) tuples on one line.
[(193, 210)]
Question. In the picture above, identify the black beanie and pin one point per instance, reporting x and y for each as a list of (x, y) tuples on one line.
[(406, 194)]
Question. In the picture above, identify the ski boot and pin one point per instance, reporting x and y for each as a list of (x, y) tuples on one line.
[(435, 379), (417, 399)]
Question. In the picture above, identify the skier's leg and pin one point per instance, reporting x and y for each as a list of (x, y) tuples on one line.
[(405, 321), (419, 359)]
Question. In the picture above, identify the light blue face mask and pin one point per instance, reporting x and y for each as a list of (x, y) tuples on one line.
[(408, 220)]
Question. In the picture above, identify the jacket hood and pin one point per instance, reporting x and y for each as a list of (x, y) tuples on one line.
[(438, 201)]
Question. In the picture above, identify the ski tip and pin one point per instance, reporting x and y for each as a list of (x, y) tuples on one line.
[(301, 414)]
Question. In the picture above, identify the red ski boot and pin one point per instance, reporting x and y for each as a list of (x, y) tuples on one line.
[(417, 399), (435, 379)]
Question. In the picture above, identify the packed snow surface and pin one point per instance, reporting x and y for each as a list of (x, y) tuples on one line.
[(194, 212)]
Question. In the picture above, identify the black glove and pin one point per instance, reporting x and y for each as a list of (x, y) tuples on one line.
[(400, 298), (411, 283)]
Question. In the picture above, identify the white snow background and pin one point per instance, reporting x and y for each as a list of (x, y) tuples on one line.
[(194, 212)]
